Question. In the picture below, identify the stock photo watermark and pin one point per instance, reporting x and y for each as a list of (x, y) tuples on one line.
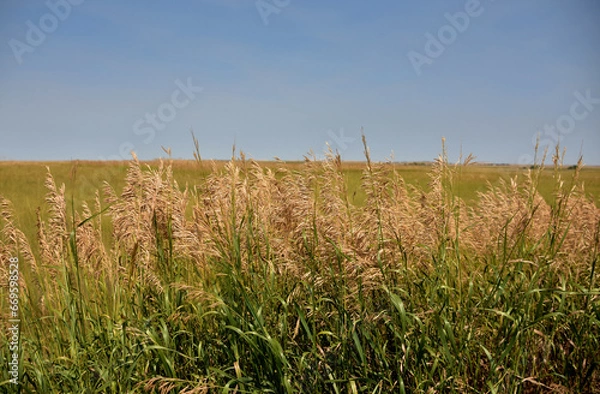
[(553, 133), (13, 320), (148, 125), (165, 113), (266, 8), (447, 34), (59, 11), (338, 142)]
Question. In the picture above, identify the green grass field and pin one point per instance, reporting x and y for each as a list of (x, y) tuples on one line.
[(23, 182), (318, 277)]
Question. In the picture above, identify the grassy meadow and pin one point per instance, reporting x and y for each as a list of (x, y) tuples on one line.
[(23, 182), (308, 277)]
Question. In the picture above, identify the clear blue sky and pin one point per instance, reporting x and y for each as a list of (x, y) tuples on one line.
[(106, 77)]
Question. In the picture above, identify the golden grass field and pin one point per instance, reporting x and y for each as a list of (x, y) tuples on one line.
[(23, 182), (320, 276)]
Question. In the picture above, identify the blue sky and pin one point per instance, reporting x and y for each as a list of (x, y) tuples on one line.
[(109, 76)]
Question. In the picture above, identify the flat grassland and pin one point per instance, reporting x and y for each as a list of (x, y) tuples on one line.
[(23, 182), (317, 276)]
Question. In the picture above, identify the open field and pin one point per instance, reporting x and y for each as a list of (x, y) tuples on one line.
[(23, 182), (301, 277)]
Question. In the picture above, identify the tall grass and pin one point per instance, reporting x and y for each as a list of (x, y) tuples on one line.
[(252, 281)]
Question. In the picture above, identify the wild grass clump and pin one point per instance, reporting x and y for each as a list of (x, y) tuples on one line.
[(261, 280)]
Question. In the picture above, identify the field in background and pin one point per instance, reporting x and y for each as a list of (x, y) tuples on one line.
[(23, 182), (323, 277)]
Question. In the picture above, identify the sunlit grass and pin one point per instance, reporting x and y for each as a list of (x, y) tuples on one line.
[(303, 277)]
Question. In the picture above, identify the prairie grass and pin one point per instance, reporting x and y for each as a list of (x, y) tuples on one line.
[(273, 278)]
